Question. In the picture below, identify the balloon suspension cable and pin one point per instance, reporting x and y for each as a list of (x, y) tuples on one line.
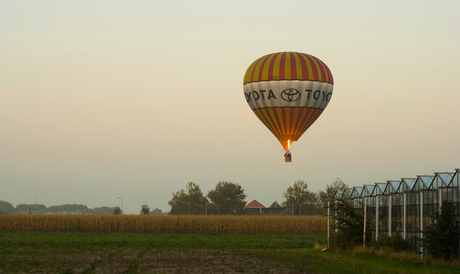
[(276, 145)]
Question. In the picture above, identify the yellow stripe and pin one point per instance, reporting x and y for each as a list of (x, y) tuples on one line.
[(296, 114), (305, 123), (276, 67), (298, 66), (325, 71), (310, 120), (320, 77), (260, 114), (280, 115), (266, 67), (309, 68), (288, 125), (256, 69), (247, 76), (287, 66), (275, 121), (304, 112)]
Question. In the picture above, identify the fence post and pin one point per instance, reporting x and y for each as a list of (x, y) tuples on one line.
[(389, 214), (365, 212), (376, 217), (404, 216), (328, 214), (421, 221), (440, 200)]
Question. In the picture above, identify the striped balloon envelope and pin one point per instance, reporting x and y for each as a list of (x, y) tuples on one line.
[(288, 91)]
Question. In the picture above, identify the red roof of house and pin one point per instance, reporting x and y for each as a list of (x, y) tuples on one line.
[(255, 204)]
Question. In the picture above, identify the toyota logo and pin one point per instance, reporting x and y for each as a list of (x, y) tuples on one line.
[(290, 95)]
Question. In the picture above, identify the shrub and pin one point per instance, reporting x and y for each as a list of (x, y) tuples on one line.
[(395, 243), (441, 237), (349, 223)]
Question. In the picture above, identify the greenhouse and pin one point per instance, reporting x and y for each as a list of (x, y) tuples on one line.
[(405, 205)]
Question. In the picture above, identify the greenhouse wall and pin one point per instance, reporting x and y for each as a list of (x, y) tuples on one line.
[(404, 206)]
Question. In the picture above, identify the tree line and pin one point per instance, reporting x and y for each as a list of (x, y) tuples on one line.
[(229, 198), (226, 198), (6, 207)]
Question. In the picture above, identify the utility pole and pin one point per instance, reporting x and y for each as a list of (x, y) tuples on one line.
[(121, 204)]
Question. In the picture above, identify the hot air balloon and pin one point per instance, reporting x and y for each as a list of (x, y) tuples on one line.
[(288, 91)]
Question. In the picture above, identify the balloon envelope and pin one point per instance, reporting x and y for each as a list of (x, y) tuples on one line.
[(288, 91)]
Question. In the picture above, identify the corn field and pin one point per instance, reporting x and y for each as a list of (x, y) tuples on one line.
[(312, 225)]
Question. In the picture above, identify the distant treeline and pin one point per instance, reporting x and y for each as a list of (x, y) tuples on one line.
[(6, 207)]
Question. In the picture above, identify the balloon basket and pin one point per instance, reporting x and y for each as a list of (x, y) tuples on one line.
[(288, 159)]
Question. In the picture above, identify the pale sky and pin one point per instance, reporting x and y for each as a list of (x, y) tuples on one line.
[(134, 99)]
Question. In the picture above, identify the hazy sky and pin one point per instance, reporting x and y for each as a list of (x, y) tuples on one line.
[(134, 99)]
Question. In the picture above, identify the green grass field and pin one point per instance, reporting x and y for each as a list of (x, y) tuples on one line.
[(92, 252)]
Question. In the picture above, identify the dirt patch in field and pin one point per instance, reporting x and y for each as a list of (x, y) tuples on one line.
[(139, 261), (206, 261)]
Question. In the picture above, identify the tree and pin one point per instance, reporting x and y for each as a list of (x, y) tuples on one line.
[(6, 207), (117, 210), (156, 211), (227, 198), (145, 209), (441, 237), (349, 224), (190, 201), (30, 208), (328, 195), (104, 210), (297, 195)]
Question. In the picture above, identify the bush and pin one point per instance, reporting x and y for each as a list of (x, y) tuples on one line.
[(441, 237), (395, 243), (349, 223)]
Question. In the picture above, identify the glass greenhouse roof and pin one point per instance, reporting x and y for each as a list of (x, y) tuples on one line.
[(357, 191), (446, 177), (392, 186), (379, 188), (369, 190), (455, 182), (423, 182), (407, 184)]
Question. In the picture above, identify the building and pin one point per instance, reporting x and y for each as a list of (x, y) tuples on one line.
[(257, 207)]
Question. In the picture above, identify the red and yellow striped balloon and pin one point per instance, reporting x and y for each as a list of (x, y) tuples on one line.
[(288, 91)]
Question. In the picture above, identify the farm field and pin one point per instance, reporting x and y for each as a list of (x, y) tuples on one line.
[(38, 251), (311, 225)]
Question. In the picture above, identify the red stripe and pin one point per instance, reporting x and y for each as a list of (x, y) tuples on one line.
[(272, 128), (291, 122), (309, 122), (272, 65), (323, 70), (282, 66), (278, 121), (313, 77), (330, 79), (319, 112), (304, 122), (254, 69), (273, 122), (261, 69), (293, 66), (315, 115), (284, 117), (303, 64), (299, 121)]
